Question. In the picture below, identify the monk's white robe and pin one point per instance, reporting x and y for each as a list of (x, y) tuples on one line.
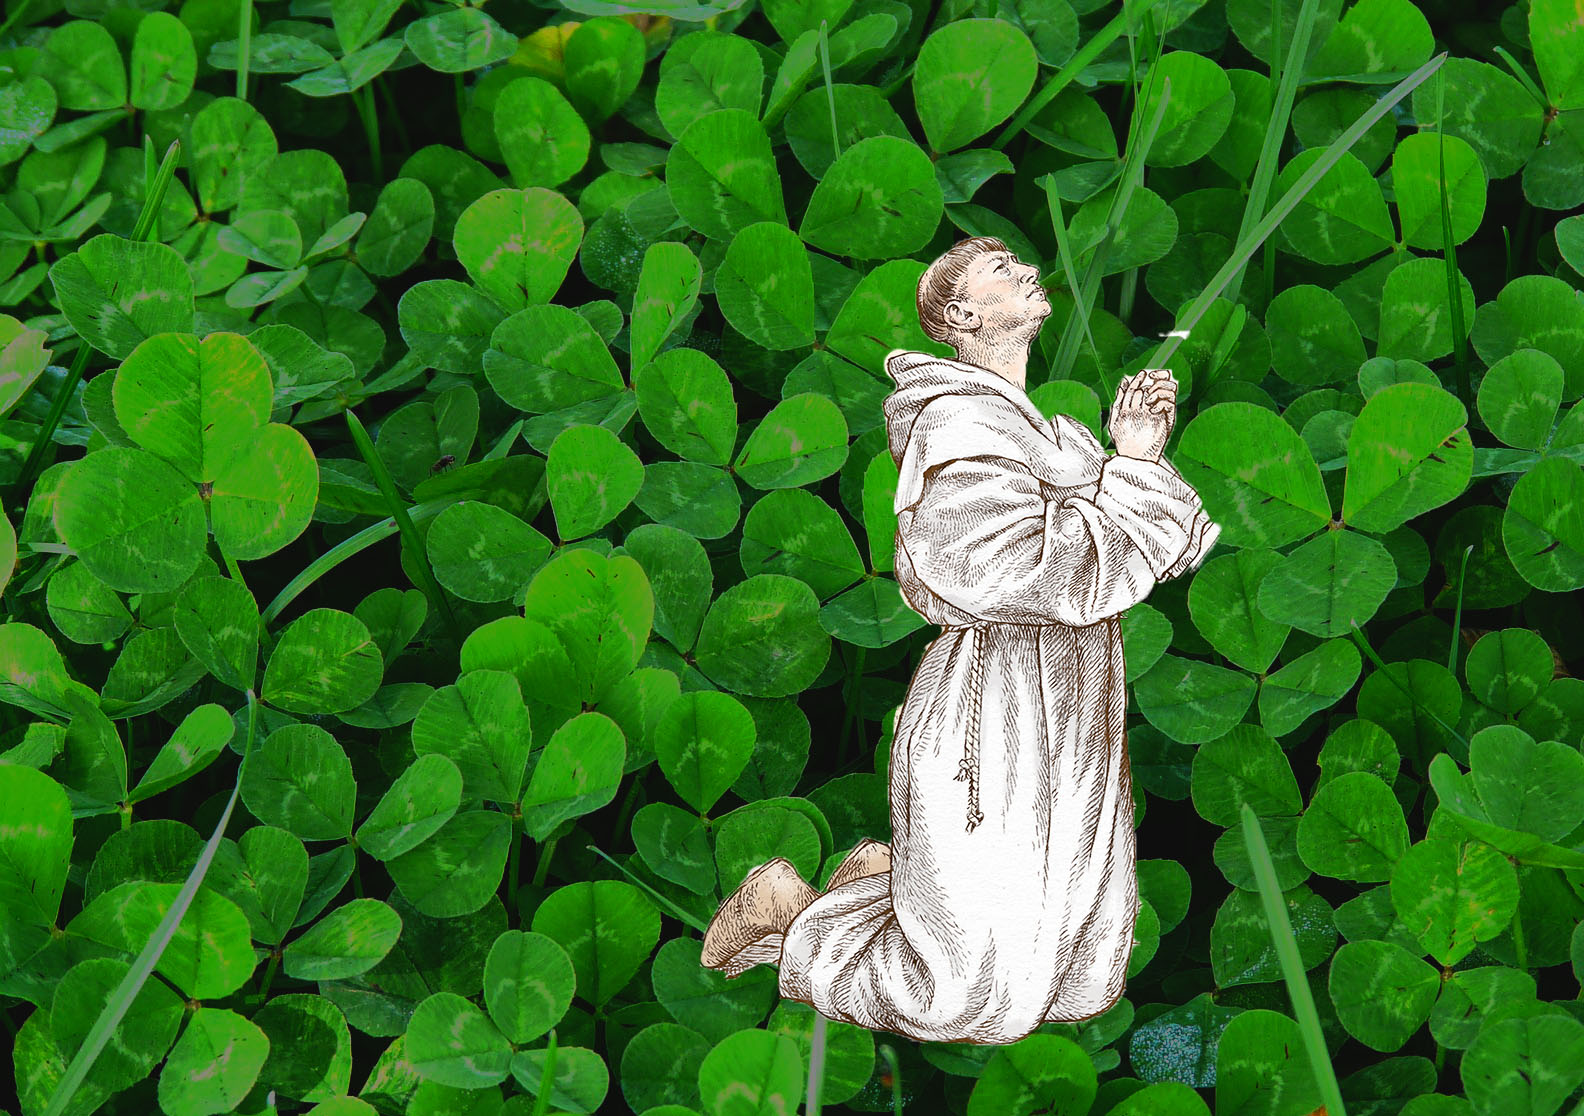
[(1012, 893)]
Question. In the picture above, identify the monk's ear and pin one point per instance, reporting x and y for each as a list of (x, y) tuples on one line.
[(960, 316)]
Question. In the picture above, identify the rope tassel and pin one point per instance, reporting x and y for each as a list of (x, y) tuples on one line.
[(968, 768)]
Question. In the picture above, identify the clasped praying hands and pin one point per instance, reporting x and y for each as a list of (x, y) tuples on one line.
[(1143, 414)]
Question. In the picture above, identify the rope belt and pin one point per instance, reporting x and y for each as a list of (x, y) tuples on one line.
[(969, 767)]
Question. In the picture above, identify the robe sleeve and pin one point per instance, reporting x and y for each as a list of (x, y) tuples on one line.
[(985, 539), (1157, 508), (1159, 511)]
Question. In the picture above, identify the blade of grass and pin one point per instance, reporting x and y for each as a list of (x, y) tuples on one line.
[(816, 1065), (1358, 638), (1074, 66), (1153, 49), (1457, 615), (678, 912), (1291, 964), (1285, 78), (1064, 251), (1132, 175), (546, 1077), (1449, 254), (343, 550), (890, 1056), (1523, 78), (143, 966), (1230, 332), (1289, 201), (154, 188), (244, 46), (16, 13), (364, 100), (411, 543), (830, 94)]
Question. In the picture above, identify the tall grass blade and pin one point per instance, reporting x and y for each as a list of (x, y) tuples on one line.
[(1289, 201), (121, 999), (1449, 254), (1072, 68), (1524, 79), (154, 188), (1457, 615), (890, 1057), (411, 543), (1276, 127), (830, 94), (346, 548), (1380, 665), (1069, 268), (1291, 964), (546, 1077), (816, 1065), (676, 911), (244, 46), (1132, 175)]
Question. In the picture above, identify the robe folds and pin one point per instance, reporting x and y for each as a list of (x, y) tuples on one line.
[(1012, 893)]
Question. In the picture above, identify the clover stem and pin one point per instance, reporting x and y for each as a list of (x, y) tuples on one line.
[(364, 100), (269, 975), (542, 869), (1518, 939), (625, 812), (514, 851)]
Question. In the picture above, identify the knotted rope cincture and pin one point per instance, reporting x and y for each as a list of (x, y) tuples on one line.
[(968, 768)]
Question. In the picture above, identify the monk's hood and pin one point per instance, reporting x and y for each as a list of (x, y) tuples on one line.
[(921, 378), (1060, 450)]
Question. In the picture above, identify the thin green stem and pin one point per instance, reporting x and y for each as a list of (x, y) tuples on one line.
[(143, 966), (269, 975), (393, 114), (1519, 948), (1132, 175), (677, 912), (1457, 615), (1285, 78), (1064, 251), (1289, 201), (1453, 276), (513, 854), (411, 543), (624, 812), (1292, 966), (1523, 79), (153, 198), (364, 100), (546, 1077), (542, 866), (890, 1055), (1358, 637), (16, 14), (1072, 68), (346, 548), (854, 678), (830, 94), (816, 1065), (244, 46)]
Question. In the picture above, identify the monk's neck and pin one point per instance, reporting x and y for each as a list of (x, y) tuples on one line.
[(1007, 358)]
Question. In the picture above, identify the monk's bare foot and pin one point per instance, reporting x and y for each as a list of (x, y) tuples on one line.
[(870, 858), (765, 903)]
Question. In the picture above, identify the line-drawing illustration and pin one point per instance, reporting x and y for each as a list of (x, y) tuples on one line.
[(1009, 893)]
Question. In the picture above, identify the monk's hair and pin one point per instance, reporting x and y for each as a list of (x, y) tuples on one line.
[(938, 285)]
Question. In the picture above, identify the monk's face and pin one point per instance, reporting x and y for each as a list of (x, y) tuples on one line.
[(999, 293)]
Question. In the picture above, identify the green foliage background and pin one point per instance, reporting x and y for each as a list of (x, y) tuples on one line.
[(602, 613)]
